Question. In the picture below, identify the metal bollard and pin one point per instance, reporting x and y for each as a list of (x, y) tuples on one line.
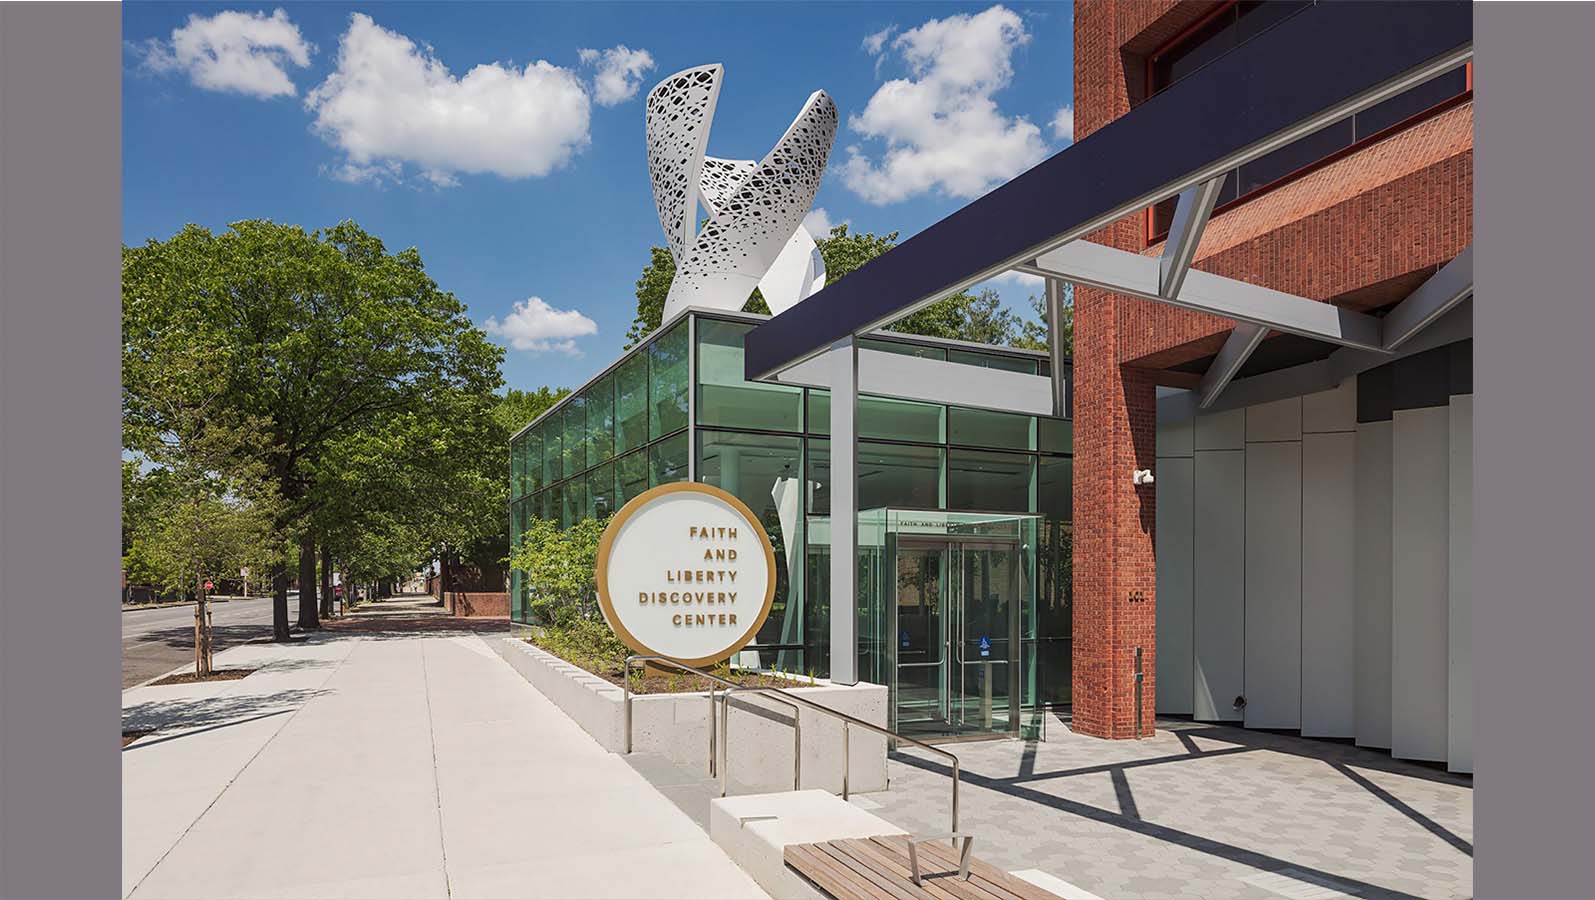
[(847, 759)]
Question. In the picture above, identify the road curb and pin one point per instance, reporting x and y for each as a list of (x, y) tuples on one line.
[(135, 607)]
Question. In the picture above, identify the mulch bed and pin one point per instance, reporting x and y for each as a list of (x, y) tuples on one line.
[(215, 675), (399, 622), (129, 737)]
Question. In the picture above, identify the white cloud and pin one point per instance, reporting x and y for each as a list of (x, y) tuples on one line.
[(619, 72), (535, 326), (1063, 123), (391, 103), (940, 127), (1018, 279), (234, 52), (819, 222), (874, 43)]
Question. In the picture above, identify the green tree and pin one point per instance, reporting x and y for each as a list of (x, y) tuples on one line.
[(1033, 332), (318, 336)]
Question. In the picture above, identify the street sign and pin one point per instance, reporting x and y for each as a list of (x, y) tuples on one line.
[(243, 572), (209, 586)]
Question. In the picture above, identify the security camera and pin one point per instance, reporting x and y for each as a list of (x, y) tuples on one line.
[(1143, 476)]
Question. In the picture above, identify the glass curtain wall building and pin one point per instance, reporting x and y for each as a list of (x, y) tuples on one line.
[(678, 407)]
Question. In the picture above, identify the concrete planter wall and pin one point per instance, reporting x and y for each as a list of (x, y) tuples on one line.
[(676, 726)]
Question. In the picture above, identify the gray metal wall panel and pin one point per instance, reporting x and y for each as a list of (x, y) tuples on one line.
[(1459, 643), (1176, 438), (1221, 431), (1334, 410), (1329, 583), (1176, 547), (1373, 573), (1273, 573), (1276, 421), (1220, 596), (1420, 605)]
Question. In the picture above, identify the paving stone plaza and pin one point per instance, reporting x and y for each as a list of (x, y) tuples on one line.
[(1200, 811)]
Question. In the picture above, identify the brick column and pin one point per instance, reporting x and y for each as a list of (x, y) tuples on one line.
[(1115, 569), (1115, 429)]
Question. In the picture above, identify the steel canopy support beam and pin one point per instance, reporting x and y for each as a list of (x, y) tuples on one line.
[(1433, 299), (1120, 271), (1237, 348), (1191, 213), (1060, 383)]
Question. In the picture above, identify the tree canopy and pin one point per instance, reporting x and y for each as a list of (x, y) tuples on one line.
[(340, 371)]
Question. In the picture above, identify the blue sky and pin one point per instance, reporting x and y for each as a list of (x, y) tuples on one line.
[(482, 134)]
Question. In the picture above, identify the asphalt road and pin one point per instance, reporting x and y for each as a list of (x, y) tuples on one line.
[(155, 641)]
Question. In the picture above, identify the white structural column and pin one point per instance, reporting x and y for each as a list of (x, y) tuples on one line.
[(1272, 565), (1329, 562), (844, 511), (1219, 567)]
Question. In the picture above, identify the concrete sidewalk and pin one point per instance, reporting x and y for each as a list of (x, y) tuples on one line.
[(412, 765)]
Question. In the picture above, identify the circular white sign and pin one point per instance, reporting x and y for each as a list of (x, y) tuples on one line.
[(685, 571)]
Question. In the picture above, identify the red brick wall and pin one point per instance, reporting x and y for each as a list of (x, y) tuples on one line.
[(476, 604), (1361, 231)]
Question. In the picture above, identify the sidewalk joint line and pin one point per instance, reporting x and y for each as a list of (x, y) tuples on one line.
[(437, 785), (233, 780)]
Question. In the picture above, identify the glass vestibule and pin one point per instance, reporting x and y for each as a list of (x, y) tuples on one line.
[(947, 613)]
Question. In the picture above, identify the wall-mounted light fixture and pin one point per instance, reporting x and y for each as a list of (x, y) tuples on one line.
[(1143, 476)]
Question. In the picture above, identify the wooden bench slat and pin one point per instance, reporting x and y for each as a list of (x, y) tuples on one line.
[(880, 875), (895, 854), (834, 880), (879, 868), (1009, 884)]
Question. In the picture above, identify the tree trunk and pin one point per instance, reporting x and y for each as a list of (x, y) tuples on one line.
[(279, 601), (326, 581), (308, 620), (445, 578), (201, 629)]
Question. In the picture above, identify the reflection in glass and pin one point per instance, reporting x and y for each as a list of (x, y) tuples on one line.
[(726, 398), (667, 381), (765, 472)]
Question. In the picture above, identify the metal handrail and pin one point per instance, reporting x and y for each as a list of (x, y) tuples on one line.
[(729, 686), (783, 696)]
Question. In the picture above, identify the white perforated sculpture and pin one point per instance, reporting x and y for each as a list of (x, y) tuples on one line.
[(754, 236)]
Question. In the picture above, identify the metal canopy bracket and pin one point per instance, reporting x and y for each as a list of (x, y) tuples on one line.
[(1129, 273), (1433, 299), (1237, 348), (1194, 208)]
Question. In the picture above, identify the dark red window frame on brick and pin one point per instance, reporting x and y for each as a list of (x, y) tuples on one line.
[(1324, 146)]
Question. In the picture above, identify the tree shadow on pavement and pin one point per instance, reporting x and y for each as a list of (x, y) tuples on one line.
[(201, 712)]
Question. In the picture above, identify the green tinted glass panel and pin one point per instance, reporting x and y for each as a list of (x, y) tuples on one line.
[(725, 397), (533, 461), (575, 435), (993, 361), (631, 403), (577, 504), (601, 491), (667, 460), (900, 420), (554, 503), (918, 350), (997, 482), (552, 431), (631, 476), (896, 475), (981, 428), (1056, 435), (667, 381), (1055, 488), (819, 412), (517, 468), (764, 471), (601, 421)]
